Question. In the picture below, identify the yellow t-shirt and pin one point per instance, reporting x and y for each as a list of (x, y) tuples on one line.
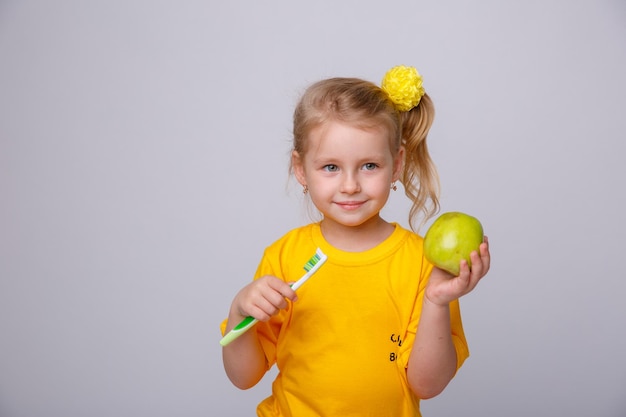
[(343, 347)]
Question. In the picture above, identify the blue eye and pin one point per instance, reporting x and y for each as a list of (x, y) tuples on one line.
[(331, 168), (370, 166)]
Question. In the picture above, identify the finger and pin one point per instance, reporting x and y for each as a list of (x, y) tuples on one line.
[(275, 298), (485, 256), (464, 274), (265, 309), (258, 303), (258, 313), (481, 263), (295, 294), (484, 247), (283, 289)]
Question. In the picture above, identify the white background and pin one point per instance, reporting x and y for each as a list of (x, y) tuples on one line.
[(143, 169)]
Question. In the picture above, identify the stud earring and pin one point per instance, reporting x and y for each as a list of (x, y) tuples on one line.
[(393, 186), (305, 189)]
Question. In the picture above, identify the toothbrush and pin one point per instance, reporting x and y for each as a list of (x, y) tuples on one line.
[(310, 267)]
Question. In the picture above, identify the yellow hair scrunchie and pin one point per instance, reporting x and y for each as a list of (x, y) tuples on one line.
[(403, 85)]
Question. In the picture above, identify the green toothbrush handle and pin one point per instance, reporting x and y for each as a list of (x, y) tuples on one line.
[(238, 330)]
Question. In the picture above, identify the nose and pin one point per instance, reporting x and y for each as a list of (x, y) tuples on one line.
[(350, 184)]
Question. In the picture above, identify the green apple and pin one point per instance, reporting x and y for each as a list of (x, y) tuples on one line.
[(452, 237)]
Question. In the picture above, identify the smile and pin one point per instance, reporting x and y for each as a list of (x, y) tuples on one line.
[(350, 205)]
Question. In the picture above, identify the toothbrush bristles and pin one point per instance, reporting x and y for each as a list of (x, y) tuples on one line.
[(311, 263)]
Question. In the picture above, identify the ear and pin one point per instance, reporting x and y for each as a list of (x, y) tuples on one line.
[(398, 164), (297, 164)]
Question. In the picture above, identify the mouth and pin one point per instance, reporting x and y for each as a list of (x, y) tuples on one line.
[(350, 205)]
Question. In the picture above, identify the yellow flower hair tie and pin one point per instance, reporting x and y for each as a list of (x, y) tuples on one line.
[(403, 85)]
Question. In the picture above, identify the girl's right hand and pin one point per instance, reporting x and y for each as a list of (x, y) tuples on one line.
[(262, 298)]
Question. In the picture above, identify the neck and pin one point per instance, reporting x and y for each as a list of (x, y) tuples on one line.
[(356, 238)]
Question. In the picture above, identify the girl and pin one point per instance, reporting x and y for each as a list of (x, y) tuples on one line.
[(377, 328)]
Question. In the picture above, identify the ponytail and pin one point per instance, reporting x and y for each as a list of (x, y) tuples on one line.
[(419, 176)]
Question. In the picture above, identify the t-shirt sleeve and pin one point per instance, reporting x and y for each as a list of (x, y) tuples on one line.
[(458, 336), (269, 331)]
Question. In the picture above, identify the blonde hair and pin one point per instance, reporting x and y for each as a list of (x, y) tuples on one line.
[(364, 104)]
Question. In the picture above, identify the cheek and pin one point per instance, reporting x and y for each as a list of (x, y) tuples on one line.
[(384, 188), (380, 185), (321, 185), (385, 177)]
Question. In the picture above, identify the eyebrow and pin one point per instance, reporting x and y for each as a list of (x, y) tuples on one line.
[(332, 159)]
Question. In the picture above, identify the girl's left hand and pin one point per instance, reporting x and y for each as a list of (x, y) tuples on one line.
[(443, 287)]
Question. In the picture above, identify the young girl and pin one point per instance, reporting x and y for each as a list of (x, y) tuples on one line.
[(377, 327)]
